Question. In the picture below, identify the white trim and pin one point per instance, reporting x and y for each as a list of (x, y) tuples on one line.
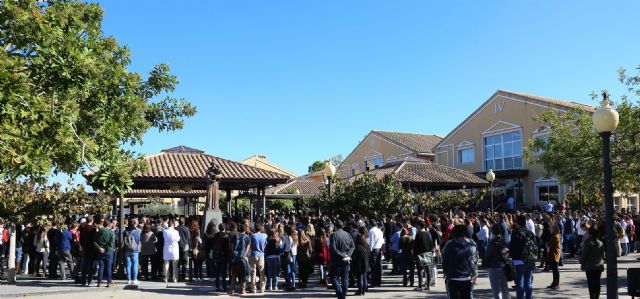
[(465, 144), (392, 158), (545, 180), (486, 104), (371, 133), (500, 122), (473, 160)]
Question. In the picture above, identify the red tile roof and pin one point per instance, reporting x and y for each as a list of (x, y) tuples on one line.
[(305, 185), (193, 164), (420, 143), (426, 173)]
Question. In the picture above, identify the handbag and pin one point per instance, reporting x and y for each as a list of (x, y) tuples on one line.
[(424, 259), (509, 268)]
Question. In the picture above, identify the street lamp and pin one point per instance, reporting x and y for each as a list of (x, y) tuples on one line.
[(491, 176), (605, 121), (329, 172)]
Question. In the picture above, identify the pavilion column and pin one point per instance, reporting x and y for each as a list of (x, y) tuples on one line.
[(228, 201), (264, 203)]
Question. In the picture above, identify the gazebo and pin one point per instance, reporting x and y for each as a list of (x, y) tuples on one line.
[(180, 174)]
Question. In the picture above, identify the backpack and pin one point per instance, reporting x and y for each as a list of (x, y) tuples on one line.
[(221, 247), (619, 231), (130, 241), (530, 252)]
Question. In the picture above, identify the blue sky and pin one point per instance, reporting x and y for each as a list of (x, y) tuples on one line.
[(301, 81)]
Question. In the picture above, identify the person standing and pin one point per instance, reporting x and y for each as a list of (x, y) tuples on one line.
[(341, 248), (553, 256), (592, 259), (321, 251), (52, 235), (105, 242), (131, 251), (360, 264), (289, 252), (459, 264), (376, 241), (483, 238), (256, 259), (221, 256), (147, 249), (63, 251), (184, 249), (305, 263), (41, 244), (240, 264), (423, 252), (171, 251), (272, 252), (521, 254), (494, 260), (87, 235)]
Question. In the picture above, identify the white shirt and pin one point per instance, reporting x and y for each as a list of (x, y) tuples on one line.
[(548, 207), (170, 251), (483, 234), (624, 239), (376, 238), (531, 226)]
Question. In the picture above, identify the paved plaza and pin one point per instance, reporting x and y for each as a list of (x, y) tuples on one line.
[(572, 285)]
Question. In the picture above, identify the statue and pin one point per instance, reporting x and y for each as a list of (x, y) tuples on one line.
[(212, 211), (213, 185)]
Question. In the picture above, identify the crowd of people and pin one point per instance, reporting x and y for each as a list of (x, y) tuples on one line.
[(281, 251)]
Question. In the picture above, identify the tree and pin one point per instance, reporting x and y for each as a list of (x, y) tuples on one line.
[(366, 195), (316, 166), (572, 151), (67, 100), (158, 209)]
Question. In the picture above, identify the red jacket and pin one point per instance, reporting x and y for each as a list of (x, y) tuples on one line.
[(322, 252)]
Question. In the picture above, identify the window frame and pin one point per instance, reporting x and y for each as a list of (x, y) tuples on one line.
[(488, 142)]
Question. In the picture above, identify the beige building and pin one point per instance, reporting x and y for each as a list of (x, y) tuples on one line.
[(260, 161), (378, 148), (493, 137)]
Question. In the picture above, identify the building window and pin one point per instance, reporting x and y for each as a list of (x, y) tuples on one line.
[(548, 193), (374, 163), (466, 155), (354, 168), (503, 151)]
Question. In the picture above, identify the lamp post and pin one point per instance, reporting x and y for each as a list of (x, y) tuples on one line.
[(605, 121), (329, 172), (491, 176)]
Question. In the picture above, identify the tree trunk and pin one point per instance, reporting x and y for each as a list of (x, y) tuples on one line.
[(11, 272)]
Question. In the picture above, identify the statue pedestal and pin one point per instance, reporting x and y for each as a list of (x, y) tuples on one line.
[(214, 215)]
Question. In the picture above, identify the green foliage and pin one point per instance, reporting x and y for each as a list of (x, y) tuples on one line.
[(573, 151), (447, 200), (282, 204), (316, 166), (67, 99), (21, 201), (366, 195), (158, 209)]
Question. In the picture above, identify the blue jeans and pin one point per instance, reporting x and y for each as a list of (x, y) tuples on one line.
[(291, 273), (105, 262), (18, 254), (131, 265), (523, 281), (376, 267), (340, 277), (482, 248), (623, 246), (362, 283), (273, 269)]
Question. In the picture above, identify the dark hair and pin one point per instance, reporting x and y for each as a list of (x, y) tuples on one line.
[(496, 229), (521, 220), (362, 241), (338, 224), (259, 227), (222, 227), (459, 231)]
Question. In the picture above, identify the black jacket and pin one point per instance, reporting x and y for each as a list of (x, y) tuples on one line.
[(460, 258), (360, 260), (492, 258), (185, 237), (518, 239)]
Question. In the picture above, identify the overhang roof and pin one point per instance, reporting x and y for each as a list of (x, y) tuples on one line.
[(164, 193), (191, 165), (426, 174), (306, 186)]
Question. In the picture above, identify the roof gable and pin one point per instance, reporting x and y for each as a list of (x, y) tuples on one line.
[(418, 143), (553, 104)]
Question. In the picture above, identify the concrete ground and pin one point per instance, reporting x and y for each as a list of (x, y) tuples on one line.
[(572, 285)]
